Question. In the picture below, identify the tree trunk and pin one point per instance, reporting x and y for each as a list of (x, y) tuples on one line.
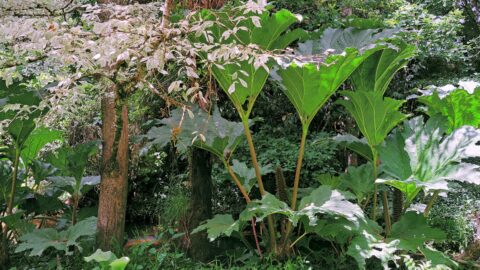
[(200, 203), (4, 258), (114, 185)]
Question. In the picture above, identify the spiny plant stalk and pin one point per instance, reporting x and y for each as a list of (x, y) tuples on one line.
[(397, 204), (281, 185)]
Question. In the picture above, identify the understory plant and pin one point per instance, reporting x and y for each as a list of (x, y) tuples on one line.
[(309, 76)]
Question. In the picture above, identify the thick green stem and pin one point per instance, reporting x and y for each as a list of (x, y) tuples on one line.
[(4, 243), (296, 181), (258, 174), (299, 167), (14, 182), (375, 191), (431, 202), (386, 212)]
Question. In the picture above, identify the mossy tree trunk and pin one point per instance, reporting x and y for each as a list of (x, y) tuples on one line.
[(114, 171), (201, 202)]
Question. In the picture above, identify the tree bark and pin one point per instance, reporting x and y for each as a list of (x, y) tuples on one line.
[(200, 203), (114, 185), (4, 258)]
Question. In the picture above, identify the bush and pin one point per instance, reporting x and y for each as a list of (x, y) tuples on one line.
[(454, 215)]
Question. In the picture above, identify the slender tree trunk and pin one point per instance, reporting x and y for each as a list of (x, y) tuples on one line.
[(114, 185), (201, 202)]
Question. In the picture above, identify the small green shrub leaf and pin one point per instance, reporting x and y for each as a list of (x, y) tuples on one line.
[(413, 231), (219, 225), (39, 240), (359, 180)]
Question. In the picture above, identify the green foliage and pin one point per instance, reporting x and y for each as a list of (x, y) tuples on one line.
[(210, 132), (339, 40), (412, 230), (107, 260), (37, 140), (219, 225), (375, 73), (321, 201), (246, 175), (455, 216), (359, 180), (433, 158), (308, 85), (70, 185), (459, 107), (72, 161), (243, 80), (42, 239), (278, 150), (368, 245), (359, 146), (174, 207), (374, 115)]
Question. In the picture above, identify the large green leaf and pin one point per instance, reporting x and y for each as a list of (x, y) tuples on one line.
[(321, 201), (395, 160), (459, 107), (23, 99), (359, 146), (17, 221), (243, 79), (337, 40), (433, 158), (375, 116), (268, 205), (367, 245), (413, 231), (20, 129), (309, 85), (73, 186), (37, 140), (210, 132), (40, 240), (219, 225), (376, 72), (325, 200), (437, 257)]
